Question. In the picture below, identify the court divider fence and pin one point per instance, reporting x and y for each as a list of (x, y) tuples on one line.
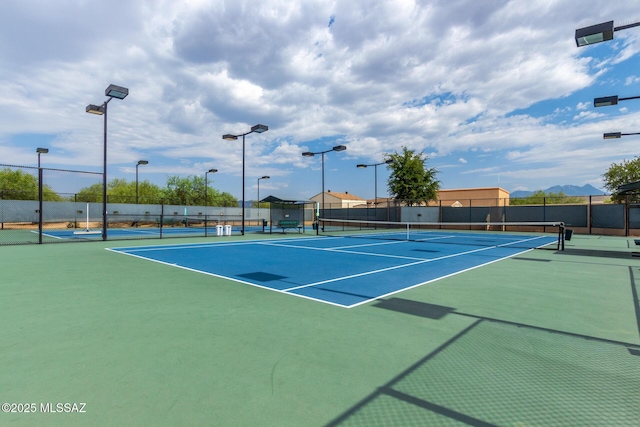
[(31, 211)]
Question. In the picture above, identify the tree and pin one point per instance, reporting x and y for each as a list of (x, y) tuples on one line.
[(191, 191), (121, 191), (619, 174), (18, 185), (217, 198), (92, 194), (410, 179), (540, 197)]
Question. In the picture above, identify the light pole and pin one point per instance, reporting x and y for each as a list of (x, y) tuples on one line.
[(112, 91), (375, 174), (264, 177), (310, 154), (606, 101), (615, 135), (206, 186), (40, 151), (599, 33), (229, 137), (140, 162)]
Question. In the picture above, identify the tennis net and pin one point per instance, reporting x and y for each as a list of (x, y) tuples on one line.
[(529, 235)]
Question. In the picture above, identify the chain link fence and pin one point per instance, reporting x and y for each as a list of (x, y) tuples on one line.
[(38, 205)]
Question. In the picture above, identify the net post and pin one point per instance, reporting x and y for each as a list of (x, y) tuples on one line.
[(561, 231)]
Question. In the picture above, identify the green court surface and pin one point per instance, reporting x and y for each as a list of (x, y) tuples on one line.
[(545, 338)]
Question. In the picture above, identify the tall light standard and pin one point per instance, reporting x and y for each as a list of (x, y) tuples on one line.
[(310, 154), (40, 151), (206, 186), (257, 129), (140, 162), (375, 173), (615, 135), (606, 101), (599, 33), (264, 177), (112, 91)]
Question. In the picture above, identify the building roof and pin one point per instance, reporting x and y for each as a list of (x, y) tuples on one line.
[(628, 188), (472, 189), (274, 199), (342, 196)]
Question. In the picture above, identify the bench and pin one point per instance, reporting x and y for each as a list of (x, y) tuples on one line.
[(289, 223)]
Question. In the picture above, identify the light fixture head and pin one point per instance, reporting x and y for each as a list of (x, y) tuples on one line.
[(388, 161), (605, 101), (114, 91), (42, 150), (361, 166), (143, 162), (308, 154), (339, 148), (265, 177), (230, 137), (594, 34), (612, 135), (259, 128), (212, 171), (95, 109)]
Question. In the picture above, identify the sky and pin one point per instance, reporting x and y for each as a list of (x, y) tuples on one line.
[(494, 93)]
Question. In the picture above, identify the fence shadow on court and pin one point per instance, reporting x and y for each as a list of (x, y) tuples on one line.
[(502, 373)]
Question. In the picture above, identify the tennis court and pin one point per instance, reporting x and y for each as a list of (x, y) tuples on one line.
[(513, 337), (344, 270), (143, 232)]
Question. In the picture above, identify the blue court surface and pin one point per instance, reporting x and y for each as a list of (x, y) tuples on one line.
[(342, 271)]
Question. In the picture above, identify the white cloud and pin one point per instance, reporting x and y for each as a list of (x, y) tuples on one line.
[(587, 115), (632, 80), (438, 77)]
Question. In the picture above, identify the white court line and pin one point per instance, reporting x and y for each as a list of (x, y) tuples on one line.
[(424, 261), (228, 278), (206, 245), (435, 279), (346, 252)]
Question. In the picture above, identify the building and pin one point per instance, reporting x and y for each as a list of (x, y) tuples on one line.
[(491, 196), (463, 197), (339, 200)]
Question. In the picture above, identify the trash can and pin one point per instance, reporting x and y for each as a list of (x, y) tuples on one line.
[(227, 230), (219, 230), (567, 234)]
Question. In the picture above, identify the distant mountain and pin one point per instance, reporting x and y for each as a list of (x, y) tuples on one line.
[(569, 190)]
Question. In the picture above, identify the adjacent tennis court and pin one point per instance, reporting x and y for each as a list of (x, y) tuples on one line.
[(344, 270), (145, 232)]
